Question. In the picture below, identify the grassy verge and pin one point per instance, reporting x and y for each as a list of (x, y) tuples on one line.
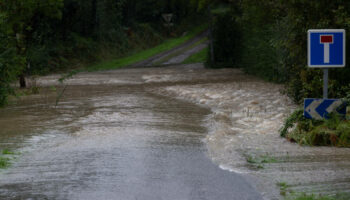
[(143, 55), (312, 197), (319, 197), (332, 132), (182, 50), (289, 194), (199, 57)]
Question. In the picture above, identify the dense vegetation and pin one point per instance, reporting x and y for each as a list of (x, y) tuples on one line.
[(265, 38), (331, 132), (38, 36), (269, 39)]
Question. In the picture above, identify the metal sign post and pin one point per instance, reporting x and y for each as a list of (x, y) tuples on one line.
[(326, 49), (325, 83)]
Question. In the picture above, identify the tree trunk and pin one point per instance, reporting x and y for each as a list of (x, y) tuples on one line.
[(94, 17), (22, 81), (19, 44), (212, 55)]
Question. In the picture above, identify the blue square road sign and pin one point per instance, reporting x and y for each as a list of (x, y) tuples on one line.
[(326, 48)]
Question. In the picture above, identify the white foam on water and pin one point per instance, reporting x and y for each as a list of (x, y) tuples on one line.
[(245, 123)]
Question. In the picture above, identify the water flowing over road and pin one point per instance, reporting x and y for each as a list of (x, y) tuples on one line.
[(176, 132), (112, 137)]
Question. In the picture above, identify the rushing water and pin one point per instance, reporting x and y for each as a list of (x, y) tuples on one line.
[(155, 133), (111, 137), (244, 136)]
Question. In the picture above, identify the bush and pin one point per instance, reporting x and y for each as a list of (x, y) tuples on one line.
[(332, 132), (273, 42)]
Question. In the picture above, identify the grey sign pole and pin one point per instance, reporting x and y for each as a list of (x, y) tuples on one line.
[(326, 50), (325, 83), (323, 45)]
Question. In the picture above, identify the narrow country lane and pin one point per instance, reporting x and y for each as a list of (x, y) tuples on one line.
[(174, 100), (172, 132)]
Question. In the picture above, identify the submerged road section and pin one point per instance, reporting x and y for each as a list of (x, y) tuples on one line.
[(111, 137)]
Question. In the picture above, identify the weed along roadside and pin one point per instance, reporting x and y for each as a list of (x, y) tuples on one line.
[(334, 131), (6, 158)]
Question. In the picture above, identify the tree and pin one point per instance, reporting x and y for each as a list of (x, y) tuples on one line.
[(10, 63), (20, 20)]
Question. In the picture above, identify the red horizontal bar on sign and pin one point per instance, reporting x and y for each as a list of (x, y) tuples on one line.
[(326, 38)]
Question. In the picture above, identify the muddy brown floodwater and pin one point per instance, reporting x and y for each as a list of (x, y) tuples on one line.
[(176, 132), (110, 137)]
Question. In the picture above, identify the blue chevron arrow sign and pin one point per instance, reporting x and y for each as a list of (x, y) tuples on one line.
[(320, 108)]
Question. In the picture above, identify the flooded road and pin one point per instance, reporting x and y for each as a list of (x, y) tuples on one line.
[(177, 132), (114, 136), (247, 114)]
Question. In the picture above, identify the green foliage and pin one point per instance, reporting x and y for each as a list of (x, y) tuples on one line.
[(144, 54), (7, 152), (273, 42), (199, 57), (200, 4), (39, 37), (258, 161), (301, 16), (203, 4), (18, 25), (332, 132), (295, 117), (5, 158), (312, 197), (11, 65), (183, 50), (319, 197), (4, 162), (284, 188), (261, 159)]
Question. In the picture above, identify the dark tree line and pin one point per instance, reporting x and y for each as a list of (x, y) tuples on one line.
[(38, 36), (269, 39)]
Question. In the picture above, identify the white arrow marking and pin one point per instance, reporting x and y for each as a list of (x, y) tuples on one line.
[(326, 52), (311, 109), (334, 106)]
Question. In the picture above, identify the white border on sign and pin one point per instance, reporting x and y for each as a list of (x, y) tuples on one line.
[(325, 31)]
